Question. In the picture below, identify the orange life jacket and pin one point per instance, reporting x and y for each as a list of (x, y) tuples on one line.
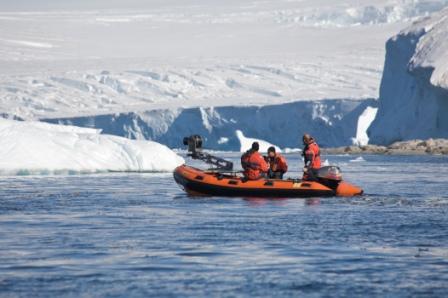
[(253, 164), (278, 163), (311, 154)]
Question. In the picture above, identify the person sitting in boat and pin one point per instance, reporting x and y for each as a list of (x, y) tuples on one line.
[(311, 155), (254, 165), (277, 164)]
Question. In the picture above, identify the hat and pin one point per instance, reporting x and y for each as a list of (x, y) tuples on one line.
[(255, 146)]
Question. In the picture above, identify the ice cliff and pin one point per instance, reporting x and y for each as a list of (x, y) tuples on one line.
[(331, 122), (413, 101)]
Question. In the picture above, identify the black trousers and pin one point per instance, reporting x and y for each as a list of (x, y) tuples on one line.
[(275, 175)]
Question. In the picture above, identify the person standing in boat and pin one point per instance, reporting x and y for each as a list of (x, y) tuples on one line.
[(311, 156), (277, 164), (253, 164)]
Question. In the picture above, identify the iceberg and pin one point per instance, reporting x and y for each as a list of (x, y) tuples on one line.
[(30, 147), (413, 101)]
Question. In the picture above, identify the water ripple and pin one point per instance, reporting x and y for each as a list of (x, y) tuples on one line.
[(140, 235)]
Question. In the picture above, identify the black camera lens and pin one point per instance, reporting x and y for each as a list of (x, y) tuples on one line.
[(198, 141), (185, 141), (194, 143)]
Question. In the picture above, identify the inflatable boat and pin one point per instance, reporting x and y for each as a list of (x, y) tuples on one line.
[(223, 181), (211, 183)]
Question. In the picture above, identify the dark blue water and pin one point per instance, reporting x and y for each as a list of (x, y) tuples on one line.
[(139, 235)]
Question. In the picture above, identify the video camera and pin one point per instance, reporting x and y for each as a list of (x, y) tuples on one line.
[(194, 143)]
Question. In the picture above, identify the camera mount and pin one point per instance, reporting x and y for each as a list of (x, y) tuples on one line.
[(194, 143)]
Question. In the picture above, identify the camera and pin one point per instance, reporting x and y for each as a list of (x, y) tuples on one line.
[(194, 143)]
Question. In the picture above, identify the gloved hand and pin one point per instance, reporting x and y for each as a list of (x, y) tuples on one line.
[(305, 170)]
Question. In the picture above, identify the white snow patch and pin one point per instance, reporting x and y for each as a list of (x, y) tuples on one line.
[(246, 143), (292, 150), (358, 159), (347, 13), (113, 20), (223, 140), (41, 148), (364, 121), (27, 43)]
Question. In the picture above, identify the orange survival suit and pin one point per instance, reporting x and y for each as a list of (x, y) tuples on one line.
[(278, 165), (253, 165), (311, 154)]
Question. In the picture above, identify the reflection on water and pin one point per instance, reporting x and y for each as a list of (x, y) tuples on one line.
[(255, 202), (140, 235)]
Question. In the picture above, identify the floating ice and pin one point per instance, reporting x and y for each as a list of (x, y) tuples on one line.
[(358, 159), (41, 148), (292, 150)]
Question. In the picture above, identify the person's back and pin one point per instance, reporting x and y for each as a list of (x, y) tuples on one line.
[(253, 163), (311, 154)]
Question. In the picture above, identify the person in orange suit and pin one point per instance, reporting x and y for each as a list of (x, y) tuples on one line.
[(277, 164), (254, 165), (311, 155)]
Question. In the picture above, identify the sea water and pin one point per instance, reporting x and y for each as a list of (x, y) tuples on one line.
[(140, 235)]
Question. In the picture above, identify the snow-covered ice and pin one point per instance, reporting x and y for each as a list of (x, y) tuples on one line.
[(41, 148), (364, 122), (110, 59), (358, 159), (413, 101), (331, 122), (78, 59), (246, 143)]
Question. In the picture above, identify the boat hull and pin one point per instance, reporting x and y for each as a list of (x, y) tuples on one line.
[(198, 182)]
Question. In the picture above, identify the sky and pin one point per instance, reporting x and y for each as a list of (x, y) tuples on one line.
[(44, 5)]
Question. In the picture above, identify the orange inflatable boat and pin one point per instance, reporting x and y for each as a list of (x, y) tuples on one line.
[(199, 182), (223, 181)]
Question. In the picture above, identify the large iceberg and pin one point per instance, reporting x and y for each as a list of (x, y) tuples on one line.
[(413, 101), (40, 148)]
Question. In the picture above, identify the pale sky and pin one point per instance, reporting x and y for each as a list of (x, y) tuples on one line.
[(43, 5)]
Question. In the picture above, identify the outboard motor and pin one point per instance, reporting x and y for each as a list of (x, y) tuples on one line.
[(329, 176)]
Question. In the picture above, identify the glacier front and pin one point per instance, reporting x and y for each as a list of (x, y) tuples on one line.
[(413, 101), (331, 122)]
